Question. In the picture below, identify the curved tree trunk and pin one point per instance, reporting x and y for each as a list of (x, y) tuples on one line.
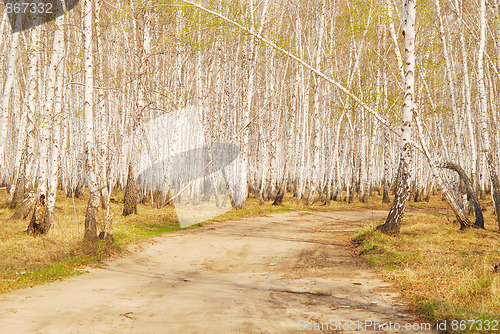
[(471, 193)]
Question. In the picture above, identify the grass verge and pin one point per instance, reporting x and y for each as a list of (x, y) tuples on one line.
[(446, 273)]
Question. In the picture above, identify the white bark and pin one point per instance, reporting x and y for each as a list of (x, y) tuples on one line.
[(316, 135), (393, 222), (397, 52), (468, 101), (483, 99), (242, 184), (450, 76), (53, 108), (6, 94), (90, 149)]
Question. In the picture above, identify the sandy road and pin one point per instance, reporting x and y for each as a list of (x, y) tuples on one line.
[(275, 274)]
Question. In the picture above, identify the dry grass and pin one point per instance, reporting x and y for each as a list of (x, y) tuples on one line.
[(445, 272), (28, 260)]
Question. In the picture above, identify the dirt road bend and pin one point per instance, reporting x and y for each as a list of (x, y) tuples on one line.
[(287, 273)]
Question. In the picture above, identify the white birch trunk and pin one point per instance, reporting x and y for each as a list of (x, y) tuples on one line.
[(468, 102), (393, 222), (316, 135), (90, 149), (242, 184), (451, 85), (483, 99), (6, 94), (394, 37), (53, 106)]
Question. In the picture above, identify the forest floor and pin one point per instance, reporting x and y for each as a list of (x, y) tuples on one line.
[(283, 273)]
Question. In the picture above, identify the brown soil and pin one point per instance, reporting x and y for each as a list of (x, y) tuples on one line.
[(275, 274)]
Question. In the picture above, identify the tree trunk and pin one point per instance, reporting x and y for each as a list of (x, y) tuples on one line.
[(24, 209), (241, 192), (485, 132), (53, 106), (393, 222), (19, 189), (471, 193), (468, 104), (130, 196), (278, 200), (387, 163), (8, 83), (37, 222), (90, 149)]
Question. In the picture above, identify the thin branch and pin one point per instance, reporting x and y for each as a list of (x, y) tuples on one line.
[(300, 61)]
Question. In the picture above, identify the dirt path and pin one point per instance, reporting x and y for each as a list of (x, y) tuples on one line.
[(277, 274)]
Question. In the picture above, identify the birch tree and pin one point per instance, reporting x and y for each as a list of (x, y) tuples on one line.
[(242, 188), (7, 91), (48, 170), (392, 224), (315, 87), (22, 184), (483, 99), (90, 148)]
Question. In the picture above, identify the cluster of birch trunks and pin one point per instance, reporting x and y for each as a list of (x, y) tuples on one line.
[(193, 101)]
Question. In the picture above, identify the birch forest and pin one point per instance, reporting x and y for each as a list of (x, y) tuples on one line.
[(219, 101)]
